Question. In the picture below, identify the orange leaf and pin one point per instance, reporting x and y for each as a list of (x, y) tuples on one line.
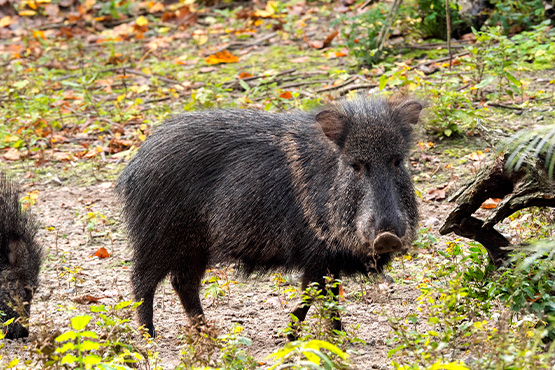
[(286, 95), (86, 299), (101, 253), (330, 38), (490, 203), (244, 75), (222, 57)]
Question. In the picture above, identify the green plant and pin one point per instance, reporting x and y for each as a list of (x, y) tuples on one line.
[(108, 345), (516, 13), (451, 113), (457, 315), (217, 285), (205, 348), (529, 282), (434, 21), (325, 308), (309, 355), (362, 34), (496, 56)]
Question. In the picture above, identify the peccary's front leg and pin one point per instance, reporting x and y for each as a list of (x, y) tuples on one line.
[(302, 308)]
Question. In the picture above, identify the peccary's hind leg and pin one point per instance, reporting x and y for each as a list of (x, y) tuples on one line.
[(145, 279), (185, 279)]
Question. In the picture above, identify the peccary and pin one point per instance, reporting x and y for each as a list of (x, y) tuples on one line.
[(20, 259), (324, 192)]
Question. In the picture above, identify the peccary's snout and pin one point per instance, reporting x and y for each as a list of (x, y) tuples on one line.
[(386, 242)]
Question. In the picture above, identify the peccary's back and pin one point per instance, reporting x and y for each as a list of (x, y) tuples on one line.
[(239, 185)]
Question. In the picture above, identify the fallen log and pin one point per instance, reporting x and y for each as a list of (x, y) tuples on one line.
[(530, 186)]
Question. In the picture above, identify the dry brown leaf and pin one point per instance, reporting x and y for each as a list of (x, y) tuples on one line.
[(61, 156), (300, 60), (436, 194), (12, 154)]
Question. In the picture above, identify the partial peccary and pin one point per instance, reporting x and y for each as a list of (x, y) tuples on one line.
[(324, 192), (20, 258)]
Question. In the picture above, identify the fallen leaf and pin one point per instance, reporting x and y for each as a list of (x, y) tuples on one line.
[(6, 21), (208, 69), (300, 60), (436, 194), (268, 12), (141, 21), (155, 7), (476, 156), (222, 57), (86, 299), (286, 95), (101, 253), (12, 154), (490, 203), (244, 75), (61, 156)]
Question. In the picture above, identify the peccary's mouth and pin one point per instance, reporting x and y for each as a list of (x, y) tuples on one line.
[(387, 242)]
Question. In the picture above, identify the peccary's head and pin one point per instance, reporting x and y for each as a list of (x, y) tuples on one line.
[(20, 259), (375, 197)]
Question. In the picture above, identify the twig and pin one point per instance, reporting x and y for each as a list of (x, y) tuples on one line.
[(139, 73), (349, 81), (346, 89), (504, 106), (230, 84), (384, 32), (427, 62), (303, 84), (448, 20)]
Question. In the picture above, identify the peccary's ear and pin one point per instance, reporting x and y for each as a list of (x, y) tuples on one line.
[(333, 125), (405, 110)]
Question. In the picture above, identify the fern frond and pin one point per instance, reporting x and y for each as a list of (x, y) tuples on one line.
[(530, 145)]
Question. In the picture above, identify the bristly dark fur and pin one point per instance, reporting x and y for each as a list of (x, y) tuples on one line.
[(302, 191), (20, 259)]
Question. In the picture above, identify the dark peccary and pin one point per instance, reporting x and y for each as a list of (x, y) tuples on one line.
[(323, 192), (20, 258)]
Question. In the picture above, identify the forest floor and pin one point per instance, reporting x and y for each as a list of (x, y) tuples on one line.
[(82, 97)]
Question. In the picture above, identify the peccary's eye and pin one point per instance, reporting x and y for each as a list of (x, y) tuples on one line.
[(397, 162), (357, 166)]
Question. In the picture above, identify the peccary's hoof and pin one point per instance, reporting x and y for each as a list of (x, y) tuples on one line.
[(387, 242), (148, 329)]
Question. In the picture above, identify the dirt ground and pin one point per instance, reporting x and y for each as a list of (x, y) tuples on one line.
[(253, 302)]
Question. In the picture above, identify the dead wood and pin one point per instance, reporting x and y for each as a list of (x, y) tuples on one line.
[(521, 189)]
